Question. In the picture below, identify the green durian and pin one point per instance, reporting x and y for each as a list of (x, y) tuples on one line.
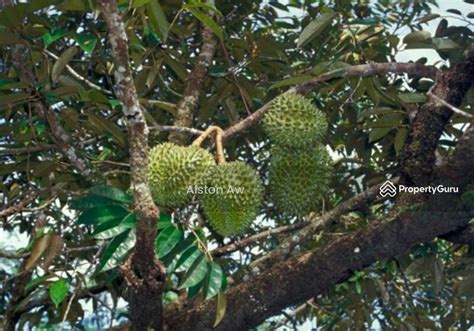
[(294, 122), (297, 180), (233, 197), (173, 170)]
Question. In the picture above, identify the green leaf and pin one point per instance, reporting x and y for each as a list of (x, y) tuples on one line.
[(195, 273), (58, 291), (92, 201), (114, 227), (207, 21), (428, 18), (292, 81), (14, 98), (188, 258), (221, 308), (37, 281), (86, 41), (194, 290), (214, 280), (51, 37), (205, 5), (117, 250), (412, 97), (314, 28), (111, 193), (62, 61), (377, 134), (167, 240), (99, 215), (417, 37), (104, 125), (158, 19), (170, 260), (400, 139)]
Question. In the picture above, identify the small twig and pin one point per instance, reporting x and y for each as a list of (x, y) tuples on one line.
[(5, 150), (120, 164), (76, 75), (20, 206), (256, 237), (80, 281), (450, 106), (12, 256), (244, 101)]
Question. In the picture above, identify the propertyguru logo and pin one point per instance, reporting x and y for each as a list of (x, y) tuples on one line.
[(389, 189)]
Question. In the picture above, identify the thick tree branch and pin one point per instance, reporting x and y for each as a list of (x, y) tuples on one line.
[(145, 292), (187, 106), (418, 157), (362, 70)]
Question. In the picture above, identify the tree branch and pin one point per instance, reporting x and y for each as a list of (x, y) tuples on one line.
[(144, 294), (194, 83), (182, 129), (417, 159), (311, 228), (453, 109), (78, 76), (22, 63), (22, 204), (6, 150), (362, 70)]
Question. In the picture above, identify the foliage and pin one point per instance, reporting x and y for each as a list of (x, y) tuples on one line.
[(263, 48)]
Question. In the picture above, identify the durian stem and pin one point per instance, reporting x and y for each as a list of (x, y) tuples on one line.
[(219, 147), (199, 140)]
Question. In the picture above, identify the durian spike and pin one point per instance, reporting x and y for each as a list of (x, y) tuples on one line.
[(219, 147), (199, 140)]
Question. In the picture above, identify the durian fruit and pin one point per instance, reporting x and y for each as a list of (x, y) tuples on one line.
[(298, 181), (233, 197), (173, 170), (294, 122)]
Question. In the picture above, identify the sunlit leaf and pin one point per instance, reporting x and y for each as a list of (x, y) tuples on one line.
[(58, 291), (196, 272), (167, 239)]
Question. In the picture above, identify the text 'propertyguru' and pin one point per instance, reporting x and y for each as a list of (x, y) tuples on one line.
[(427, 189)]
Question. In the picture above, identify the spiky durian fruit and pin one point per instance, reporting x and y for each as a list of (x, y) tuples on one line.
[(297, 181), (174, 170), (233, 197), (294, 122)]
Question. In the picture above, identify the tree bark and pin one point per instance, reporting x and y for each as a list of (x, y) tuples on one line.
[(144, 273)]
